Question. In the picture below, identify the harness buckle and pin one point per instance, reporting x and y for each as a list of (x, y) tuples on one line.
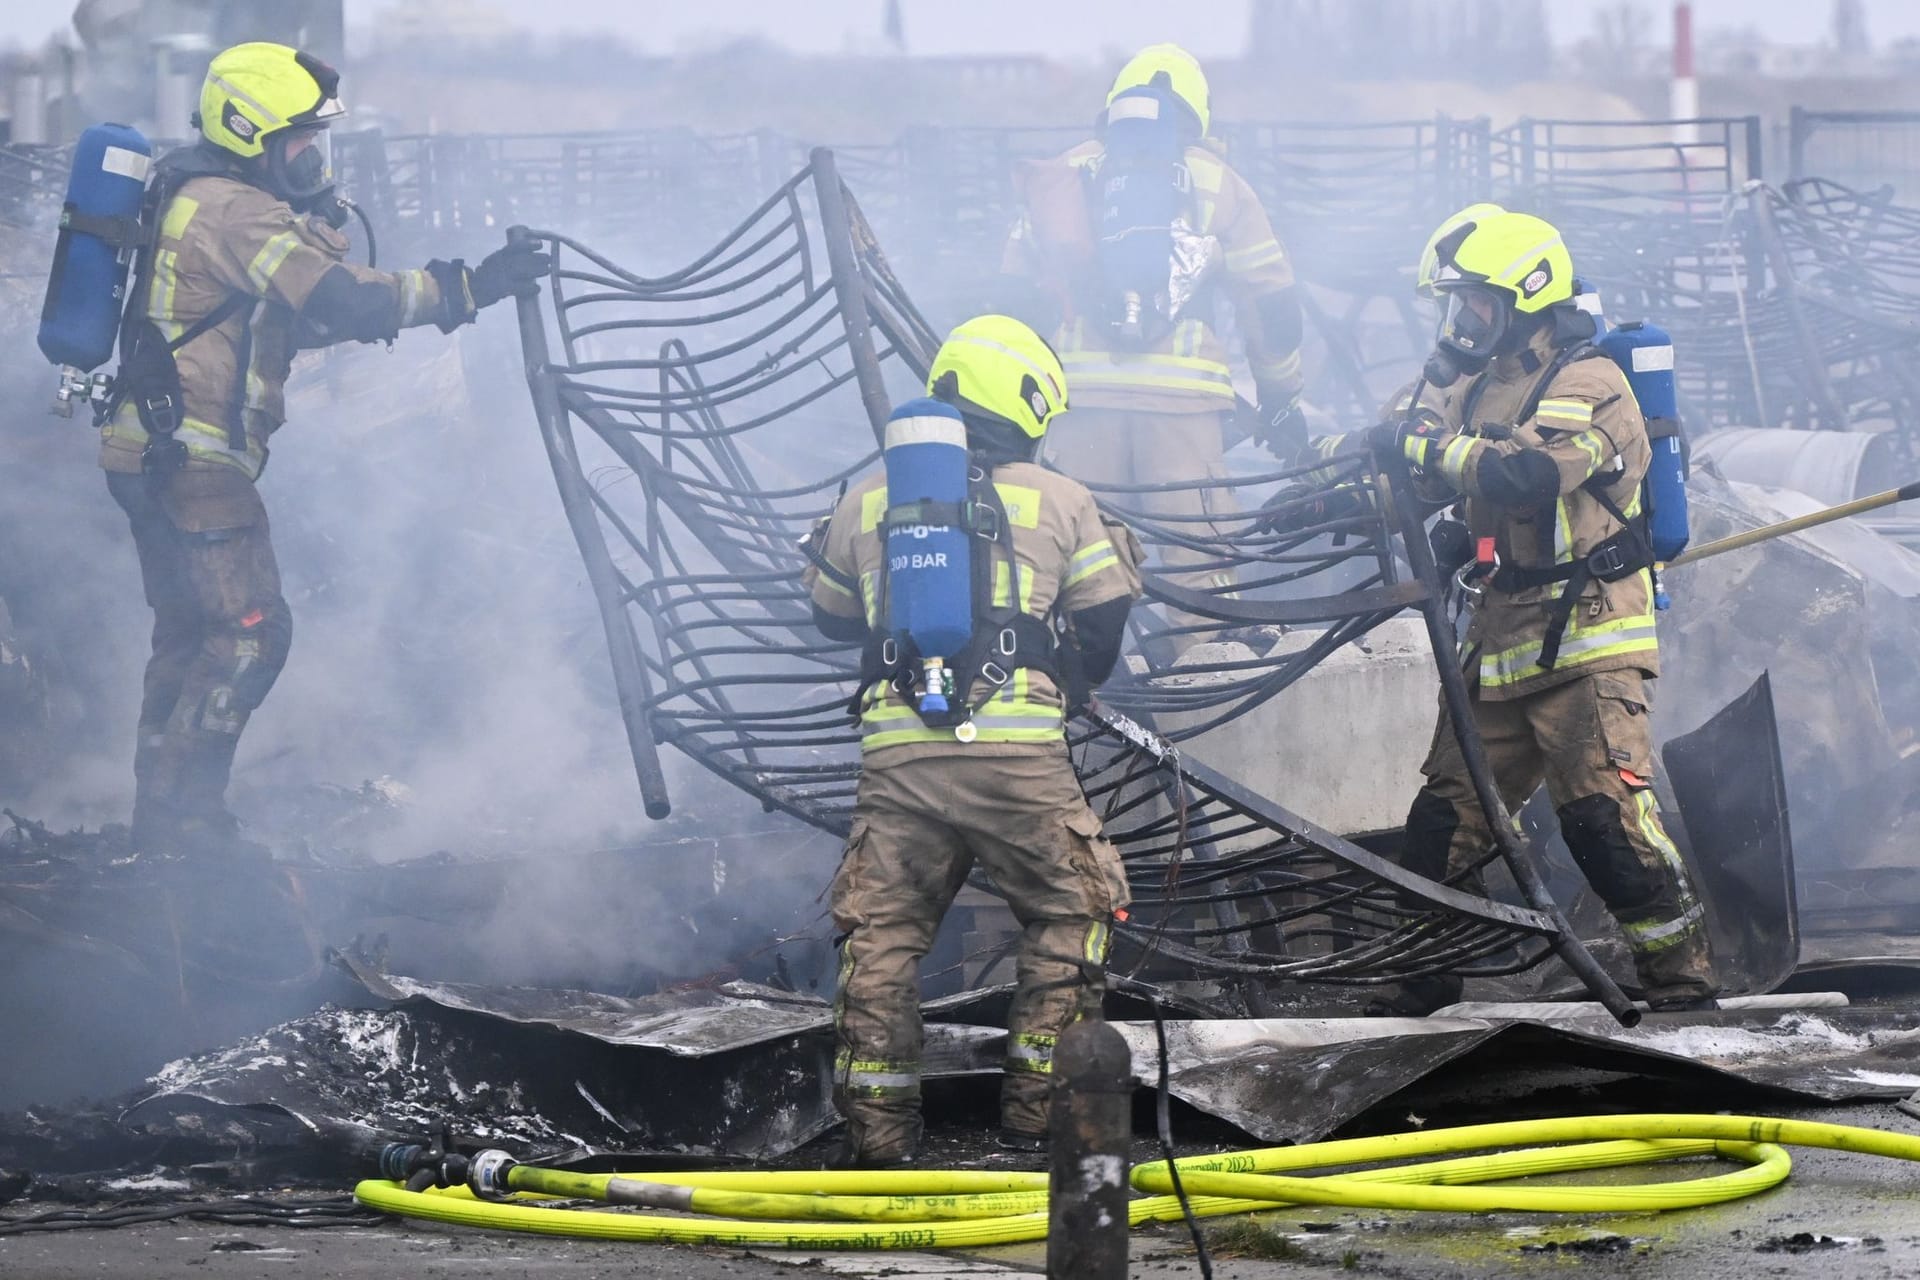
[(1469, 580), (889, 652), (994, 673), (983, 521), (1009, 643), (1607, 559)]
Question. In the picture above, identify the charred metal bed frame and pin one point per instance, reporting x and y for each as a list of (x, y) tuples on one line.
[(717, 401)]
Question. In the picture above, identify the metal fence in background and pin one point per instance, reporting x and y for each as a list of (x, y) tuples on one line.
[(1857, 148)]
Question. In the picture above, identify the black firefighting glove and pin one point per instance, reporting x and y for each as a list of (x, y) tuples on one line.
[(1415, 437), (1303, 506), (513, 270), (1278, 422)]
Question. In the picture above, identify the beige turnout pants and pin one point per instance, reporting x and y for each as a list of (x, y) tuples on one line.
[(920, 824)]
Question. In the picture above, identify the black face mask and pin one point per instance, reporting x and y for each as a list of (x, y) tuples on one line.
[(305, 178), (1478, 325)]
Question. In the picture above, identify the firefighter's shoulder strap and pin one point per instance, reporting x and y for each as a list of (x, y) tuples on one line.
[(1005, 639), (147, 370), (1626, 552)]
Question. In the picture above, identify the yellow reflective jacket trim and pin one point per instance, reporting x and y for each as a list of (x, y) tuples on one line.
[(1254, 256), (1454, 459), (166, 282), (831, 585), (179, 213), (1003, 594), (1564, 411), (1088, 369), (1090, 560), (273, 254), (203, 440), (1632, 634), (1595, 445), (1000, 719)]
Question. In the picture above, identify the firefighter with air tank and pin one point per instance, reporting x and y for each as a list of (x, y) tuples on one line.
[(1127, 242), (240, 264), (989, 594), (1536, 433)]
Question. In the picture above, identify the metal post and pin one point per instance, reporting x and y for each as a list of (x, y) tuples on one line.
[(1453, 688), (849, 290), (631, 685), (1833, 414), (1090, 1120)]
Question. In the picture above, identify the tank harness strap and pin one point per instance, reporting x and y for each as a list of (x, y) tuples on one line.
[(121, 233), (1620, 556), (1004, 639), (160, 408)]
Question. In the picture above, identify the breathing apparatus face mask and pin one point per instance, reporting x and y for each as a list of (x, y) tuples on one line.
[(300, 165), (1473, 329)]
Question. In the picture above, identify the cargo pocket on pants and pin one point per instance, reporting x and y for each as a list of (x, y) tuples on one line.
[(844, 897), (1097, 862), (1626, 735)]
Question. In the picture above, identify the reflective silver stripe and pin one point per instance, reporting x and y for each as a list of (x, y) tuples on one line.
[(1664, 930), (1504, 668), (1092, 365), (1530, 256), (882, 1080), (1090, 553), (933, 428), (268, 261), (1020, 1047), (1040, 375), (274, 120)]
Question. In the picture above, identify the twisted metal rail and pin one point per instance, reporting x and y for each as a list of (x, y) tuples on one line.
[(699, 422)]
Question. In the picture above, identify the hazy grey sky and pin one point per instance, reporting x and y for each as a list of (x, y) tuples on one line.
[(1069, 29)]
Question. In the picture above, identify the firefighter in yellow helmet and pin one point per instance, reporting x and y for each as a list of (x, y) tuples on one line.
[(244, 266), (1536, 433), (988, 781), (1127, 242)]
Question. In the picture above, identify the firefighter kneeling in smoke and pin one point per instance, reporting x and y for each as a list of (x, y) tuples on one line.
[(245, 265), (1528, 424), (990, 594)]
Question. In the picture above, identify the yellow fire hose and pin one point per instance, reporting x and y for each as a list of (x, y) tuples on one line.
[(951, 1209)]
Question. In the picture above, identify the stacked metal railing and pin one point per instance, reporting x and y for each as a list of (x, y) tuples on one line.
[(1658, 213), (699, 422)]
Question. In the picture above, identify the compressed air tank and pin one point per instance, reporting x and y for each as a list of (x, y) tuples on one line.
[(1141, 192), (929, 565), (1644, 351), (99, 224)]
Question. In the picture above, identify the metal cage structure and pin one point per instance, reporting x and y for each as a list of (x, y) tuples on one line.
[(700, 422)]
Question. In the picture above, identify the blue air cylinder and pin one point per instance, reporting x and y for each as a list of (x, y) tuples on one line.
[(1645, 352), (929, 565), (1141, 193), (98, 225)]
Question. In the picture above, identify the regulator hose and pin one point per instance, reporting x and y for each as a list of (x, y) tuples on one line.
[(951, 1209)]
